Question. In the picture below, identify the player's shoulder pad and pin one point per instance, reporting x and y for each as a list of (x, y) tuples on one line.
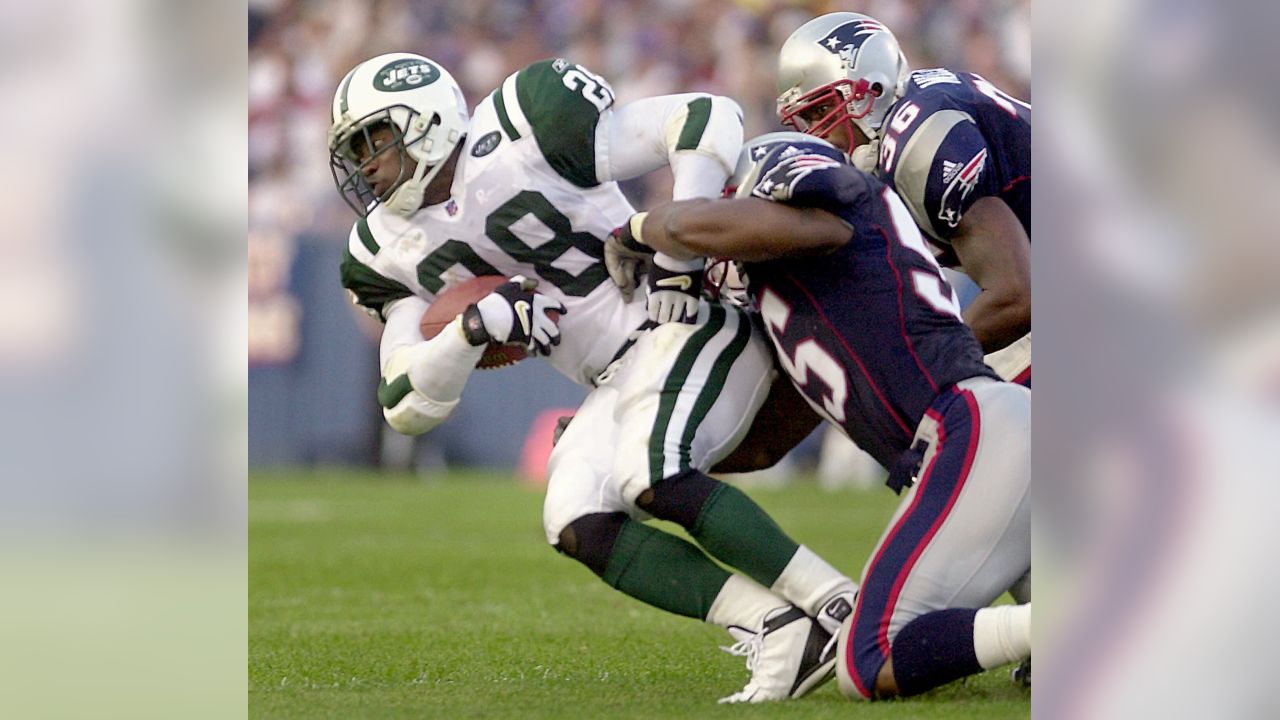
[(559, 103), (369, 288), (933, 153), (945, 173)]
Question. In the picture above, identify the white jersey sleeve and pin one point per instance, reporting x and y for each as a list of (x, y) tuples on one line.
[(698, 135), (422, 380), (570, 112)]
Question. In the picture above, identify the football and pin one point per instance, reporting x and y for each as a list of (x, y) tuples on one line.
[(450, 304)]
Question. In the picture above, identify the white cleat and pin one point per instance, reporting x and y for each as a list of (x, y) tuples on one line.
[(789, 657), (832, 615), (835, 610), (1022, 673)]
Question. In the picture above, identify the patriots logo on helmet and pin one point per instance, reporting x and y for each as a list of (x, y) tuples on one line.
[(792, 166), (848, 38)]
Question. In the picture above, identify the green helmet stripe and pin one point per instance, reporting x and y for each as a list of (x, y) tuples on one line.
[(346, 83)]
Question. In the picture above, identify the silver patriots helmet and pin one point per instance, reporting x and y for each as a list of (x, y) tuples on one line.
[(726, 279), (839, 69), (421, 104), (755, 156)]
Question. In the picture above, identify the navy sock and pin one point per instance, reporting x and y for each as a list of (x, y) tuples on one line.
[(933, 650)]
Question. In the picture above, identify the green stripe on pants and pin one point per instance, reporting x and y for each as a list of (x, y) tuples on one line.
[(715, 385), (671, 389)]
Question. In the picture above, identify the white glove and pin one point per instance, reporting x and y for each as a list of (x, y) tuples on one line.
[(513, 313), (675, 288)]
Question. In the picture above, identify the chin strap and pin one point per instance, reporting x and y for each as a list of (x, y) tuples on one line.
[(407, 199), (865, 157)]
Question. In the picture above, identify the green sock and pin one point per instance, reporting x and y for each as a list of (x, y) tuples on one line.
[(663, 571), (739, 533)]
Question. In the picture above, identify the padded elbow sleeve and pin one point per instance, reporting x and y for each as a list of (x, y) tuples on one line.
[(416, 414), (422, 383)]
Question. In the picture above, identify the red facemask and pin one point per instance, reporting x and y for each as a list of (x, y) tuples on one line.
[(844, 97)]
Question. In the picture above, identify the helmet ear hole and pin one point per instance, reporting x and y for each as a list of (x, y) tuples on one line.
[(877, 89)]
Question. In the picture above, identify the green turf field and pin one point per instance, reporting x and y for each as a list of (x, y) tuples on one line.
[(378, 597)]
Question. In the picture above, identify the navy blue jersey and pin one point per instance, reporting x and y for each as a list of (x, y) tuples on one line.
[(871, 333), (952, 138)]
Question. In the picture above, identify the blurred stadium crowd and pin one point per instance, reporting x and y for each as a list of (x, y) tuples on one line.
[(300, 49)]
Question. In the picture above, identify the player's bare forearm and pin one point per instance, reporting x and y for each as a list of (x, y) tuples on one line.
[(747, 229), (783, 421), (995, 252), (996, 322)]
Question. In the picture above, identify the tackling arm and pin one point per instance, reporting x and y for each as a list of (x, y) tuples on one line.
[(746, 229), (995, 252), (699, 137)]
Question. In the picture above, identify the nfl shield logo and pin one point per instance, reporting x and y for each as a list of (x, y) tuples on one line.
[(451, 207)]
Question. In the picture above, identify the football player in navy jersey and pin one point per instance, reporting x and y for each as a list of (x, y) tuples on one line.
[(956, 148), (870, 333)]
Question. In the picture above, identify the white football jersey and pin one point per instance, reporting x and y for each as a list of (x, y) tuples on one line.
[(526, 201)]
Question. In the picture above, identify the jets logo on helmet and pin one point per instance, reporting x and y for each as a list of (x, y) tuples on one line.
[(405, 75), (846, 39)]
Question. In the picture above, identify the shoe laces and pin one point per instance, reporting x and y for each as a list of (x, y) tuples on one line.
[(828, 648), (749, 648)]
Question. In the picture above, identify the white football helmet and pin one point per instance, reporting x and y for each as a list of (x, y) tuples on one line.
[(421, 103), (846, 62)]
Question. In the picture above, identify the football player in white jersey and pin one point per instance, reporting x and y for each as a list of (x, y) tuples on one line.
[(525, 188)]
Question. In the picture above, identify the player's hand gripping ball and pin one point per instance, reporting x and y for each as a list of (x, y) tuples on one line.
[(508, 341)]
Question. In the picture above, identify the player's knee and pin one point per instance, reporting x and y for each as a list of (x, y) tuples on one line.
[(572, 484), (590, 539), (631, 472), (679, 498)]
